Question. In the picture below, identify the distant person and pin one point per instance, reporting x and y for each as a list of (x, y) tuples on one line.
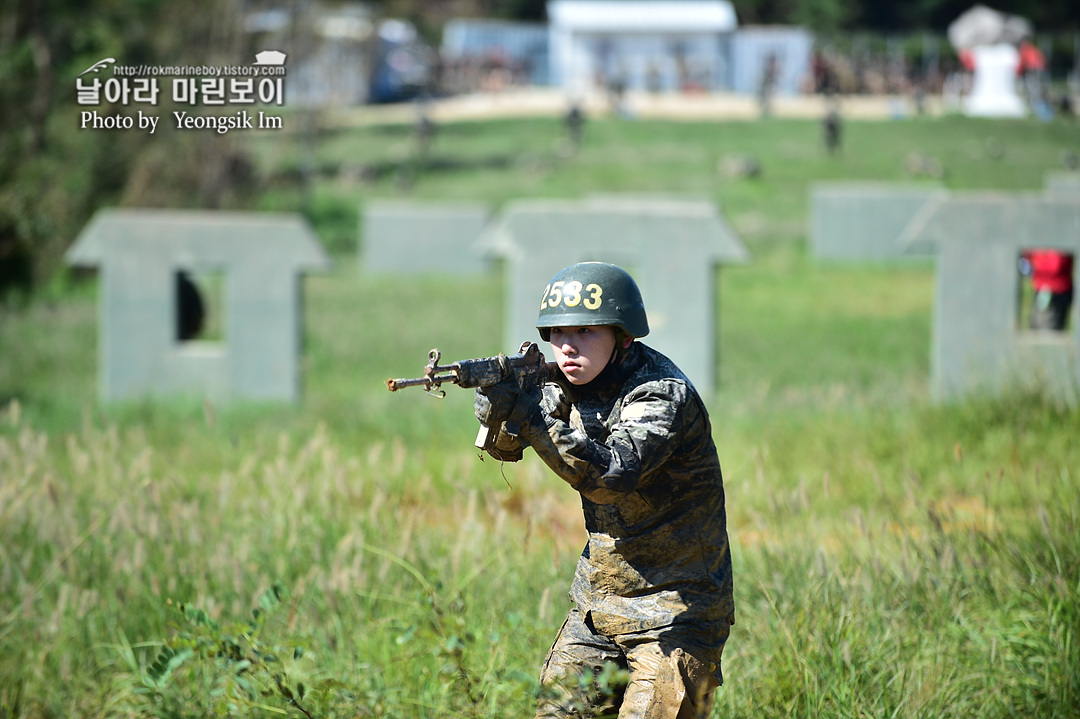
[(423, 130), (918, 87), (1065, 105), (1051, 273), (653, 81), (831, 128), (575, 122), (819, 71), (616, 91), (769, 75), (625, 428), (1032, 71)]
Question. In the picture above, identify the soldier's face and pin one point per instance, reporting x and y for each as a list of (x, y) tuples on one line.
[(582, 352)]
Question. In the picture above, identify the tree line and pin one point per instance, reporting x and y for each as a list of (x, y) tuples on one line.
[(54, 174), (823, 16)]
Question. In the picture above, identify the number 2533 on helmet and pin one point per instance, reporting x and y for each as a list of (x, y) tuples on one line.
[(592, 293)]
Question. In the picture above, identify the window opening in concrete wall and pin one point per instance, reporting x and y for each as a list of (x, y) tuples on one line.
[(200, 303), (1045, 290)]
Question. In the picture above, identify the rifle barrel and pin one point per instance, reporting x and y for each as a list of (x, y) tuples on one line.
[(428, 382), (395, 384)]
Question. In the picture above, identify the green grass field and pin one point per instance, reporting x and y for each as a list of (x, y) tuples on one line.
[(892, 557)]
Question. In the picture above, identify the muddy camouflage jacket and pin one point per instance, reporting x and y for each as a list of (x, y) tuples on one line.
[(637, 444)]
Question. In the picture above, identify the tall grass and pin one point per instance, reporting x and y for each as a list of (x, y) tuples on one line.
[(910, 595), (957, 613), (100, 531)]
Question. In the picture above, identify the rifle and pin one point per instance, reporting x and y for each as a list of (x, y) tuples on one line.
[(528, 365)]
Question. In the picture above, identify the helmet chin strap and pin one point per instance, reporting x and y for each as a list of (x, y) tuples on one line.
[(614, 353), (620, 340)]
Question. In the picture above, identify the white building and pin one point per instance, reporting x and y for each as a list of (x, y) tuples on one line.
[(641, 44)]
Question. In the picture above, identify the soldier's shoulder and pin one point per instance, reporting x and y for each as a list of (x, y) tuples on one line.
[(652, 366)]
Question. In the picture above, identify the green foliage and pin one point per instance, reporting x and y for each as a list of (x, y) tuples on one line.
[(55, 174), (337, 217), (44, 197), (824, 17), (240, 668), (953, 615), (590, 694), (891, 16), (247, 670)]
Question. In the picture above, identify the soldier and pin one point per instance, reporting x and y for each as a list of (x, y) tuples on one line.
[(1051, 278), (624, 427)]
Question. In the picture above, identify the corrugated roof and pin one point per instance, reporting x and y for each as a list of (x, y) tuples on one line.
[(642, 15)]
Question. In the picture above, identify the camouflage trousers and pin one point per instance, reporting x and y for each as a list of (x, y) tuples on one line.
[(665, 681)]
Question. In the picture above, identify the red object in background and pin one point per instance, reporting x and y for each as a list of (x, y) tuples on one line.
[(967, 60), (1050, 270), (1031, 58)]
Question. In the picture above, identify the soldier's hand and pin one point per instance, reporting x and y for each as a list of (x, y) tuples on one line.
[(492, 405), (505, 402)]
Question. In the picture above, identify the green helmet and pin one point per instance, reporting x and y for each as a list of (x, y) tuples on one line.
[(592, 293)]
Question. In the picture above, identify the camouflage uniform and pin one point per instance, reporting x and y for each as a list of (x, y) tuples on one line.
[(653, 587)]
